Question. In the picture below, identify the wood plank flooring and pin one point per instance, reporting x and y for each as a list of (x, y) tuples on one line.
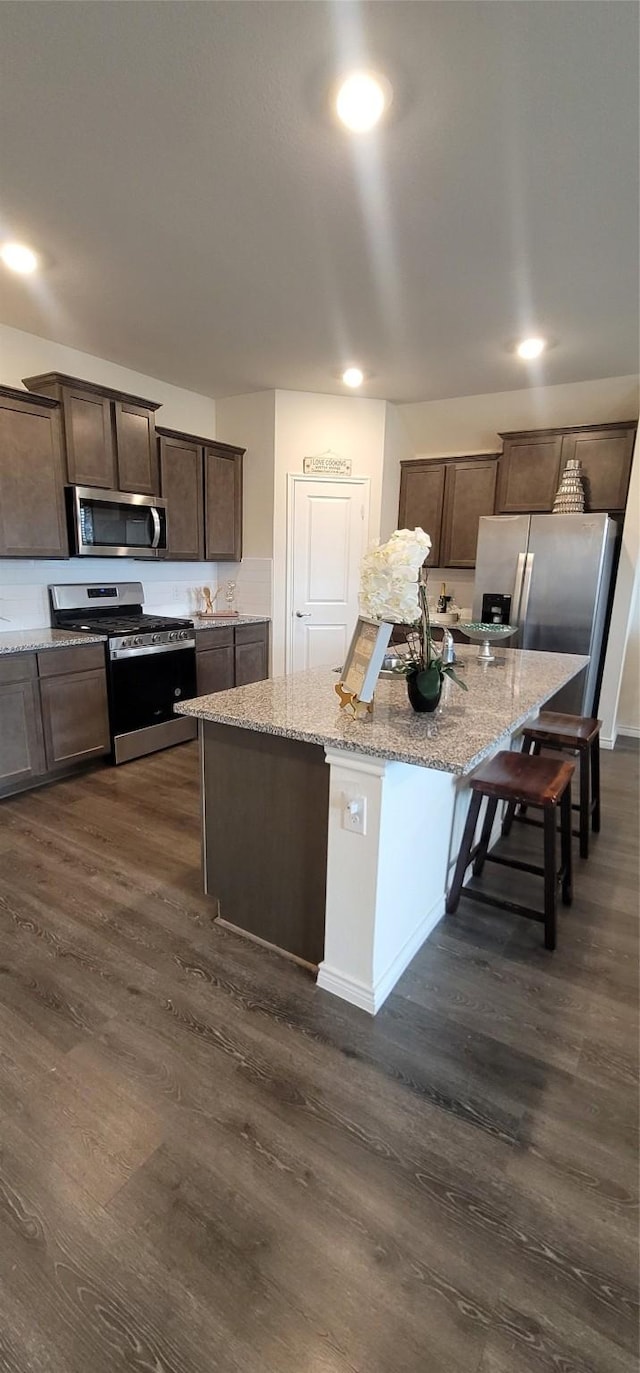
[(209, 1166)]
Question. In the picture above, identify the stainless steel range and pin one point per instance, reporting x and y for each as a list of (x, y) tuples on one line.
[(151, 663)]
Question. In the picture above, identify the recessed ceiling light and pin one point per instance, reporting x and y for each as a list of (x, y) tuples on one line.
[(531, 348), (18, 258), (361, 101), (353, 376)]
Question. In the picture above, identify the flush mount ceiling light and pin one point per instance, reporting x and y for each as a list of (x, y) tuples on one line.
[(353, 376), (531, 348), (18, 258), (361, 101)]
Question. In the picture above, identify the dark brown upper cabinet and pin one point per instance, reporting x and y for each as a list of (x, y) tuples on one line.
[(470, 492), (182, 485), (223, 502), (202, 482), (109, 436), (32, 517), (532, 464), (605, 455), (136, 448), (529, 471), (422, 501), (446, 498)]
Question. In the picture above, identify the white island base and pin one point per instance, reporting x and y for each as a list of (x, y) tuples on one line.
[(386, 888), (286, 857)]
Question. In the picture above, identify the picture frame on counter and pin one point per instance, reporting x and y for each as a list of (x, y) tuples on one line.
[(363, 662)]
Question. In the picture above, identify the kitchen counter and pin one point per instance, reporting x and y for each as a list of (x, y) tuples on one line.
[(472, 725), (333, 839), (224, 621), (35, 640)]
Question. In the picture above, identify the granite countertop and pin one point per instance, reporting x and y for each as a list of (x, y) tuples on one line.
[(34, 640), (500, 697), (222, 621)]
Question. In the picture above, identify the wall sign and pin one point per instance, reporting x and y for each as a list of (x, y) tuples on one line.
[(327, 465)]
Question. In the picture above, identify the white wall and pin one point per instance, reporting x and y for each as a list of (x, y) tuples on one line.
[(623, 630), (169, 587), (305, 425), (629, 702), (471, 424)]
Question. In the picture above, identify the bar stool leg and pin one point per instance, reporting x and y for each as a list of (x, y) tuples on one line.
[(566, 847), (489, 817), (550, 877), (465, 849), (528, 746), (585, 802), (595, 784)]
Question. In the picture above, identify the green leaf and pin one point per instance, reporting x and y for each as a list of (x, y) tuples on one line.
[(428, 681), (458, 680)]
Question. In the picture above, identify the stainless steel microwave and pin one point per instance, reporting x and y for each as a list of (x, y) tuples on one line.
[(116, 524)]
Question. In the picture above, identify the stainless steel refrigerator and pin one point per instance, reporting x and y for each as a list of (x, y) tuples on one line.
[(558, 571)]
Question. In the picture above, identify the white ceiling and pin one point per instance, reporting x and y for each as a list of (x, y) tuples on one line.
[(205, 221)]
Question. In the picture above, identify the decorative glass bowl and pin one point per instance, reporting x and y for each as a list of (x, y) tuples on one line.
[(486, 635)]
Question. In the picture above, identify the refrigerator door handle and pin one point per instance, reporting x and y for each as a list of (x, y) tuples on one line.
[(526, 588), (517, 589)]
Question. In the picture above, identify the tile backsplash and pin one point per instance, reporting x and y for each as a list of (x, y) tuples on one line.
[(169, 588)]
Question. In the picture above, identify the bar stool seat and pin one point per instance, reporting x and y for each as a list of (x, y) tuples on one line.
[(519, 779), (581, 733)]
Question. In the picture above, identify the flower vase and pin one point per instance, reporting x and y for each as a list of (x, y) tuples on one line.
[(421, 703)]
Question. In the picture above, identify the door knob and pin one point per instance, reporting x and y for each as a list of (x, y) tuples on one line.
[(303, 615)]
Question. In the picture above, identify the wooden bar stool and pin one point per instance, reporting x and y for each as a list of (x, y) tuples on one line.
[(578, 732), (520, 779)]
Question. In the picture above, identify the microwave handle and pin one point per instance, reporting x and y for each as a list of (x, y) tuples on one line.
[(156, 527)]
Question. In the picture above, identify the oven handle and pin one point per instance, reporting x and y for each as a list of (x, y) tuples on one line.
[(145, 649), (156, 527)]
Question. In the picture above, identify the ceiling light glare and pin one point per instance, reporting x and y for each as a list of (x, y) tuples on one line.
[(353, 376), (531, 348), (18, 258), (361, 101)]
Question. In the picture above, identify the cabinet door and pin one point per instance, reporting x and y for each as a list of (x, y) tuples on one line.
[(137, 449), (470, 491), (21, 746), (529, 473), (252, 663), (75, 717), (421, 502), (89, 441), (181, 483), (215, 670), (223, 505), (32, 517), (605, 456)]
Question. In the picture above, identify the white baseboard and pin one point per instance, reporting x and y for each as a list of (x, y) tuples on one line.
[(629, 731), (608, 741), (370, 997), (349, 988)]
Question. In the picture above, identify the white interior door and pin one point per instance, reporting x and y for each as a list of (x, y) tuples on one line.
[(329, 531)]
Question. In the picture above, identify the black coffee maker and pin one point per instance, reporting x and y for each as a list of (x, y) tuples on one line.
[(496, 608)]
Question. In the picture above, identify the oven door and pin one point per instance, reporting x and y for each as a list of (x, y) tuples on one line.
[(114, 524), (143, 689)]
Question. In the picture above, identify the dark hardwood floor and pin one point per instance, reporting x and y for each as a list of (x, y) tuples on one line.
[(209, 1166)]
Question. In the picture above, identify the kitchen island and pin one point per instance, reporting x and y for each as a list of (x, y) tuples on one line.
[(332, 839)]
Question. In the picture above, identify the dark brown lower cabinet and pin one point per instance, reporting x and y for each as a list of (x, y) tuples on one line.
[(21, 744), (75, 718), (252, 653), (215, 670), (228, 657), (53, 713)]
